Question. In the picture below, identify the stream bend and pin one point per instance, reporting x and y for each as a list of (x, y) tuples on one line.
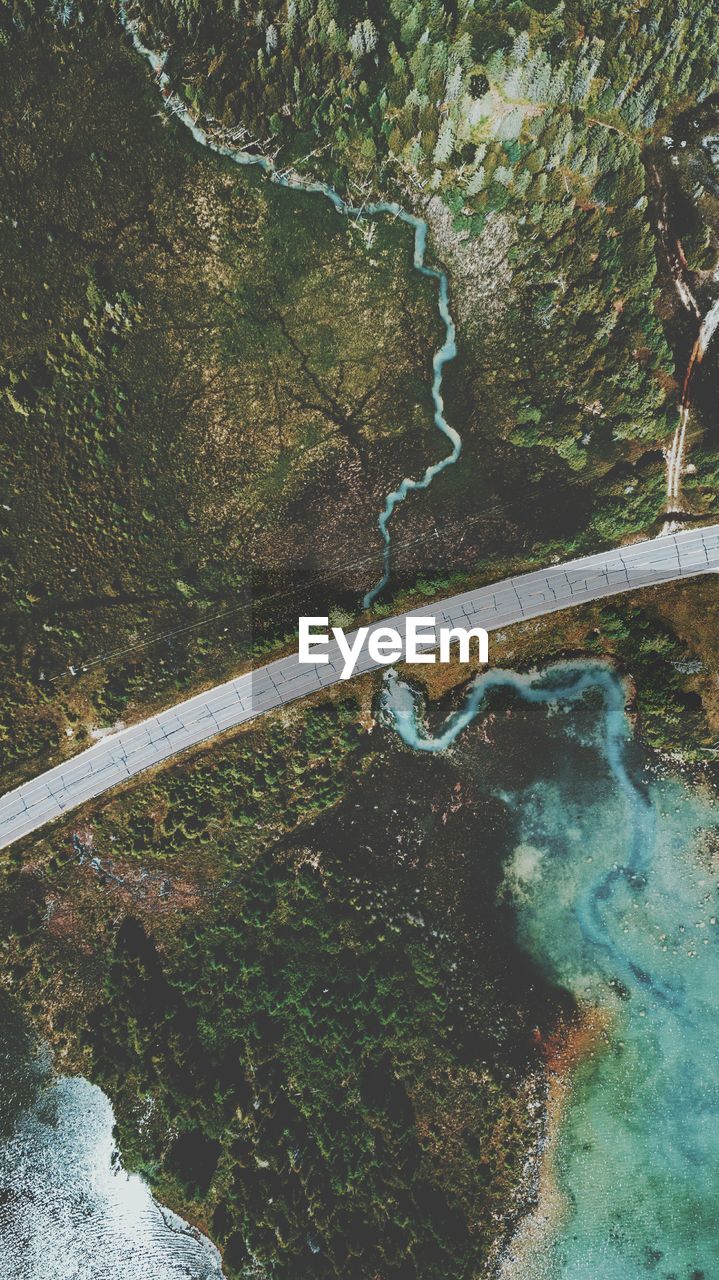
[(292, 180)]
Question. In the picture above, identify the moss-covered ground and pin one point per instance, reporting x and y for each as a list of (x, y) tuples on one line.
[(209, 384), (318, 1034)]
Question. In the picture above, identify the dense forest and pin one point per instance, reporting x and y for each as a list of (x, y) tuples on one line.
[(161, 306), (288, 960), (541, 113), (297, 984)]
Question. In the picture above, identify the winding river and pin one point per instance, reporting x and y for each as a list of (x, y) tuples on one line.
[(614, 875), (289, 178)]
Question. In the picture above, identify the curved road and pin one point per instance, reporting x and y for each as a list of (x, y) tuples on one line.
[(130, 751)]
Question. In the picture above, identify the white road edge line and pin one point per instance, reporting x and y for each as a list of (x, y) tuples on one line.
[(122, 755)]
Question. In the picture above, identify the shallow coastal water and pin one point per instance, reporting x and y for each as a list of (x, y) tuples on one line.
[(615, 875), (69, 1211)]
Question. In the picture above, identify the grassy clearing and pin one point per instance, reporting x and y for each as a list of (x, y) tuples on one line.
[(208, 384)]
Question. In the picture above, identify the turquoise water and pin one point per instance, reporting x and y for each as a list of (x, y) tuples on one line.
[(614, 875), (443, 356)]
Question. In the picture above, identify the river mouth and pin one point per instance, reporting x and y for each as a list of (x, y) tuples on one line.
[(614, 880), (536, 851)]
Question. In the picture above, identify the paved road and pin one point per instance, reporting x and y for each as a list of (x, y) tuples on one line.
[(128, 752)]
